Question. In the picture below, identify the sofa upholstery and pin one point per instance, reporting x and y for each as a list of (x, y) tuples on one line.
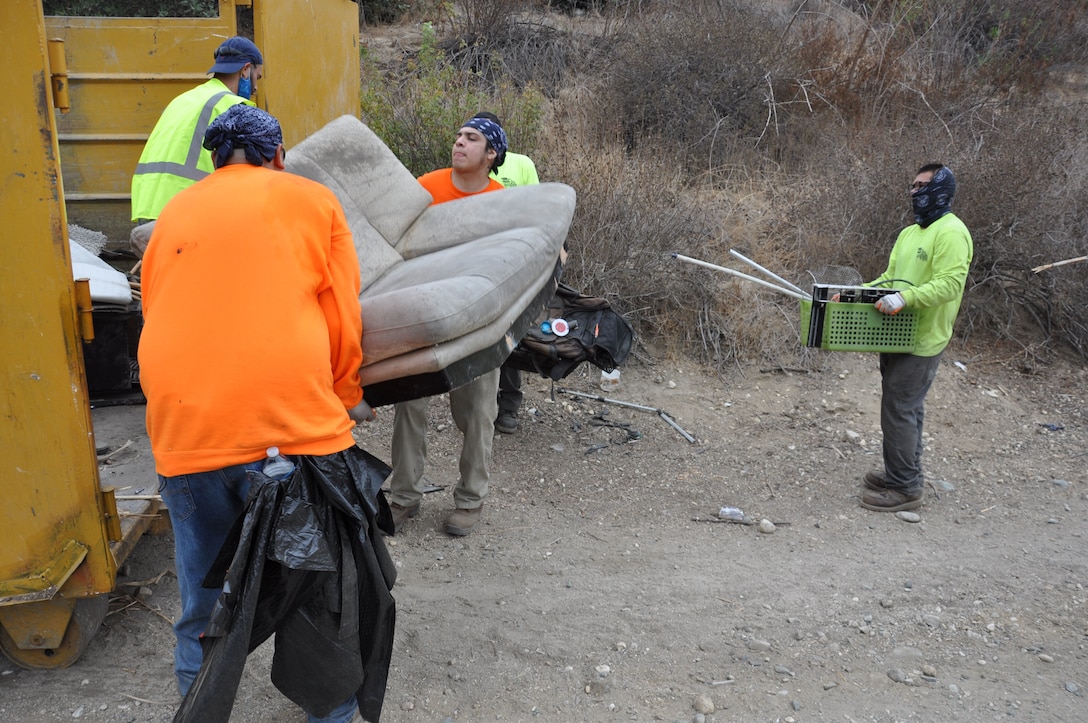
[(447, 290)]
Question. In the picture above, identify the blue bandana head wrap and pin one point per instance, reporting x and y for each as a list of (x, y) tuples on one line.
[(935, 198), (242, 126), (495, 135)]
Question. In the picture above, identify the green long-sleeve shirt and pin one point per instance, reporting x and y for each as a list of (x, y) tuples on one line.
[(935, 260)]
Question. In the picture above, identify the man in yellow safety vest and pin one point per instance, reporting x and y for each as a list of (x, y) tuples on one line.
[(173, 157)]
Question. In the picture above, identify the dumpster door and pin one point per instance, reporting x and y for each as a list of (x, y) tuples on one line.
[(122, 73), (54, 546), (311, 55)]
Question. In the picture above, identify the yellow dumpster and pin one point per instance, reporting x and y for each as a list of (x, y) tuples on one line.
[(80, 97)]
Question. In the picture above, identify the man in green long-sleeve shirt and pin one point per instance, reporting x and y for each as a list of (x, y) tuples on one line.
[(930, 261)]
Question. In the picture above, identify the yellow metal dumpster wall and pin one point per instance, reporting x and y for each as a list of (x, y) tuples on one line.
[(50, 504), (311, 52), (123, 71)]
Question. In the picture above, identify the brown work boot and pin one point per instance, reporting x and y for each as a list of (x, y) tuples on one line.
[(890, 500), (402, 513), (875, 480), (461, 522)]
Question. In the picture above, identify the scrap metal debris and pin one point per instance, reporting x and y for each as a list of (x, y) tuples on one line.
[(659, 412)]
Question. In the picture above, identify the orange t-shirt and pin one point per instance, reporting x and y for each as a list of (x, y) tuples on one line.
[(252, 332), (440, 185)]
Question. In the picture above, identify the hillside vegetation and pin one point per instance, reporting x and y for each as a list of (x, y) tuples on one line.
[(786, 130)]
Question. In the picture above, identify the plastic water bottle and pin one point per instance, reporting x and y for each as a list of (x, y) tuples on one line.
[(610, 380), (276, 465)]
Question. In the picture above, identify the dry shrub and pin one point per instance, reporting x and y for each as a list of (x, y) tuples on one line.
[(692, 78), (1003, 44), (635, 210), (1035, 212), (703, 126), (627, 223), (508, 41), (524, 53), (904, 89), (418, 108)]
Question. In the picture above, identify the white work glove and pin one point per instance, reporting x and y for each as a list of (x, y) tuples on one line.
[(362, 412), (890, 304)]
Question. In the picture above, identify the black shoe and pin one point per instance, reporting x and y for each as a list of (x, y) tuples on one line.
[(890, 500), (506, 423)]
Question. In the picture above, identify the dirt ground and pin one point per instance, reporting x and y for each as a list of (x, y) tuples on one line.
[(599, 586)]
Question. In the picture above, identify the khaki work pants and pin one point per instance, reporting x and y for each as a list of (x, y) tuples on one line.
[(474, 409)]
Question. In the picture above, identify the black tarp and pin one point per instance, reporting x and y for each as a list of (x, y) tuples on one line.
[(307, 562)]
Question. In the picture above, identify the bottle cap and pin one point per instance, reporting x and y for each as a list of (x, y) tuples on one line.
[(272, 451)]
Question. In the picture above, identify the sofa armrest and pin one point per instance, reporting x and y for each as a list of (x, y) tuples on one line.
[(548, 206)]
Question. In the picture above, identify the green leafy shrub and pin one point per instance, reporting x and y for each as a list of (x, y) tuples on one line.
[(382, 11), (417, 110), (379, 12)]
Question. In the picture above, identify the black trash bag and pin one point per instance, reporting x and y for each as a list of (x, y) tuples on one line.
[(307, 562), (597, 334)]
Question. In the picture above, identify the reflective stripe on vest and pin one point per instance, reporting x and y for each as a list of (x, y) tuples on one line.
[(188, 170)]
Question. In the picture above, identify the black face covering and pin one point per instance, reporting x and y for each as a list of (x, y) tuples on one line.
[(935, 198)]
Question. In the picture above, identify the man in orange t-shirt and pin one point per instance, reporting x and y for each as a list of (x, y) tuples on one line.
[(477, 150), (251, 339)]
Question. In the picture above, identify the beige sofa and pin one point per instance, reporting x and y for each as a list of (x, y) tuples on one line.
[(448, 290)]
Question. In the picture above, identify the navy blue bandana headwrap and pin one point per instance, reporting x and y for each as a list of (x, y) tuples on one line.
[(935, 198), (495, 135), (243, 126)]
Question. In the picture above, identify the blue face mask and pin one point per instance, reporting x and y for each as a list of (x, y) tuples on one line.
[(245, 87)]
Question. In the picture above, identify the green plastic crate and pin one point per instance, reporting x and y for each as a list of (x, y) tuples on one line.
[(860, 327)]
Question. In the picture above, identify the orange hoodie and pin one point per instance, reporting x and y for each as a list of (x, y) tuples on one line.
[(252, 332), (440, 185)]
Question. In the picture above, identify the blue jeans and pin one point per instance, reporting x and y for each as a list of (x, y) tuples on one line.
[(203, 508)]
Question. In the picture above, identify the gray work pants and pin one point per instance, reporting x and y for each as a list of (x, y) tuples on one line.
[(905, 381), (474, 409), (510, 394)]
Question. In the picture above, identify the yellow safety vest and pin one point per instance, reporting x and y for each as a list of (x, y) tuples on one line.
[(174, 157), (516, 170)]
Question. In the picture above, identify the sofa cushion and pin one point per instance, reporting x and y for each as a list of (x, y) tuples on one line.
[(449, 289), (447, 294), (381, 198), (357, 165), (547, 206), (441, 367), (376, 255)]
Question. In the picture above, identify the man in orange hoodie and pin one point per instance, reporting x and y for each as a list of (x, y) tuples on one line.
[(251, 340), (478, 148)]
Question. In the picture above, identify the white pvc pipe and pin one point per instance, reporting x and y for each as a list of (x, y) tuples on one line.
[(773, 275), (746, 277)]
